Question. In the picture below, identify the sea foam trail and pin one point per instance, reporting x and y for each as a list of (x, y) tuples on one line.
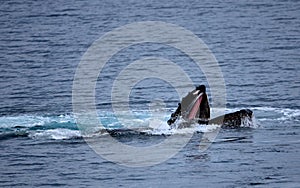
[(65, 127)]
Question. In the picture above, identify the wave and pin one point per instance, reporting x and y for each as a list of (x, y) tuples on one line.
[(277, 114), (64, 126)]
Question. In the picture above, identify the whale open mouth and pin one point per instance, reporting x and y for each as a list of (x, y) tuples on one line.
[(193, 110), (190, 105)]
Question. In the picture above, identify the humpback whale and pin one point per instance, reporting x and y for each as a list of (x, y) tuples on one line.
[(190, 110)]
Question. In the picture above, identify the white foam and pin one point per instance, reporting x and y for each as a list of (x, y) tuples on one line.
[(56, 134), (162, 128)]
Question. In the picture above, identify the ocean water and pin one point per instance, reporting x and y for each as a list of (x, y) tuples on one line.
[(256, 44)]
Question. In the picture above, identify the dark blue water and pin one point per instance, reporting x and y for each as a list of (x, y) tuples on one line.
[(256, 43)]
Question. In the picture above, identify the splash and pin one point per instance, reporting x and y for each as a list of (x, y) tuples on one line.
[(249, 122)]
